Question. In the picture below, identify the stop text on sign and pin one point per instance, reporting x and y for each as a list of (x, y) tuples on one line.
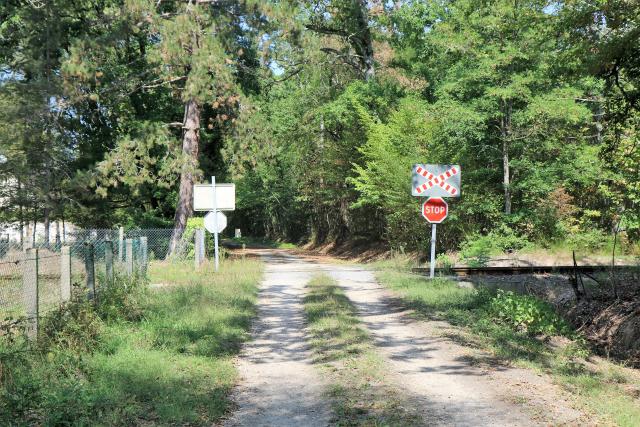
[(435, 210)]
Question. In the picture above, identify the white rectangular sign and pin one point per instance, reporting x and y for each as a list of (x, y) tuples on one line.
[(435, 180), (203, 197)]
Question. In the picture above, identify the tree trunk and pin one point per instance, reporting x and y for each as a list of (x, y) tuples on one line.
[(190, 142), (365, 41), (505, 130), (505, 180), (21, 216)]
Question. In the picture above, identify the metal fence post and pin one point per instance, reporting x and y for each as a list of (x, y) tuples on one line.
[(65, 273), (121, 244), (199, 249), (144, 257), (89, 266), (30, 284), (108, 261), (129, 250)]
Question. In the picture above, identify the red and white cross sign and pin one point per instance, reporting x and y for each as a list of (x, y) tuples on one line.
[(436, 181)]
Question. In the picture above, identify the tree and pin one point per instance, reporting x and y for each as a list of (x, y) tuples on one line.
[(349, 21), (494, 60), (34, 38), (185, 51)]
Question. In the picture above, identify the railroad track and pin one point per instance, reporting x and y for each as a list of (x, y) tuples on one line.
[(526, 269)]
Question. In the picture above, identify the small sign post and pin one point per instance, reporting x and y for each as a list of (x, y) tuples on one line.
[(215, 221), (435, 182)]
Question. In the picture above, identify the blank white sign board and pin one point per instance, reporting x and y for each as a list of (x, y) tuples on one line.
[(203, 197)]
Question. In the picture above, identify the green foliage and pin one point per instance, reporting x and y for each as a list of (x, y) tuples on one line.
[(123, 299), (588, 240), (188, 245), (318, 136), (445, 262), (121, 358), (477, 250), (527, 313)]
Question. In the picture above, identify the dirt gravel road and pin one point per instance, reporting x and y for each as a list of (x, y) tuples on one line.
[(281, 388)]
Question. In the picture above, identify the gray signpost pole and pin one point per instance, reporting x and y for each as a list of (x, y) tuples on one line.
[(215, 221), (432, 266)]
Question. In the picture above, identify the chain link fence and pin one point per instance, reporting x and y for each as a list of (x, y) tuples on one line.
[(35, 279)]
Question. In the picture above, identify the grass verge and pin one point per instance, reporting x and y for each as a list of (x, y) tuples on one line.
[(493, 323), (139, 357), (359, 391)]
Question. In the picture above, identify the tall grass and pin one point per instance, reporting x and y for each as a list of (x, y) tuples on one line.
[(148, 357)]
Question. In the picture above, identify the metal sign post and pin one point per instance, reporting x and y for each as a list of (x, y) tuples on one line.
[(432, 266), (215, 214)]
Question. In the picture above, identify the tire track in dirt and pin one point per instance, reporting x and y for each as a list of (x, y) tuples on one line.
[(279, 386)]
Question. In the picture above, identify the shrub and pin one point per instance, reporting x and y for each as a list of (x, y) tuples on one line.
[(477, 250), (188, 245), (527, 313), (75, 326), (123, 298), (445, 262), (45, 382), (591, 239)]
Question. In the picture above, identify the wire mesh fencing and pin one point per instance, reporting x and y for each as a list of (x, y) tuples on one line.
[(36, 278)]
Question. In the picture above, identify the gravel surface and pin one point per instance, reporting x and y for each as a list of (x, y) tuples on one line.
[(280, 387)]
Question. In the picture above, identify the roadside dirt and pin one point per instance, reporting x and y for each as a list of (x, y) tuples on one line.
[(448, 383)]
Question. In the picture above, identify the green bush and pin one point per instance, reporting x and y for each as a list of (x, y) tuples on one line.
[(188, 243), (122, 299), (527, 313), (592, 239), (44, 382), (75, 326), (477, 250), (445, 262)]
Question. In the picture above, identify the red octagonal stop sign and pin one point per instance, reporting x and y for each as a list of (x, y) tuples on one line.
[(435, 210)]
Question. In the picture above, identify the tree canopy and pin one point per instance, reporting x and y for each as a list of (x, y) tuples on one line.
[(110, 110)]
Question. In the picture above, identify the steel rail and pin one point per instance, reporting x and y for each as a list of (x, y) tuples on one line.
[(525, 269)]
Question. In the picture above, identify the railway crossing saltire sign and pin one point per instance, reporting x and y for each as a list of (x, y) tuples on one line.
[(436, 180)]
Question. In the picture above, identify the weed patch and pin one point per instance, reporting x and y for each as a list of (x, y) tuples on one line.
[(135, 357)]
